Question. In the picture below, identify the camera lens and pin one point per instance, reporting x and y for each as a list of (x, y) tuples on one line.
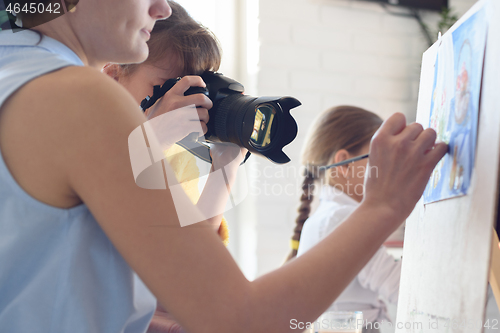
[(264, 127)]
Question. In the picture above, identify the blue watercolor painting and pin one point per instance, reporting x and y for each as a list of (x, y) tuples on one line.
[(455, 106)]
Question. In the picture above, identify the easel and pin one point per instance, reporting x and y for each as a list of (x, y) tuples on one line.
[(446, 268), (494, 277)]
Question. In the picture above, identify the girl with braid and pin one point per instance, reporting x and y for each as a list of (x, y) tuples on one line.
[(338, 134)]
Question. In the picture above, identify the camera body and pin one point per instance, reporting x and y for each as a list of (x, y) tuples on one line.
[(263, 125)]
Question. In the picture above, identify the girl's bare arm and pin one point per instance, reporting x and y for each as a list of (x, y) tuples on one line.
[(85, 131)]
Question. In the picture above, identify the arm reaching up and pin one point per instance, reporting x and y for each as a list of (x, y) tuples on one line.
[(197, 280)]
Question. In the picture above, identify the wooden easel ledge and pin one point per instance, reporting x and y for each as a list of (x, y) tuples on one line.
[(495, 267)]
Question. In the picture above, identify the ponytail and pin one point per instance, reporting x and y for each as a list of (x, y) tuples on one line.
[(304, 210)]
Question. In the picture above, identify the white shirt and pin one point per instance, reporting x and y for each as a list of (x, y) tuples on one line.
[(379, 277)]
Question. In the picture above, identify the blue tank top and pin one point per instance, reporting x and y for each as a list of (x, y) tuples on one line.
[(58, 270)]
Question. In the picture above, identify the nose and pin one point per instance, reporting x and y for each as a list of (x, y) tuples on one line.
[(160, 10)]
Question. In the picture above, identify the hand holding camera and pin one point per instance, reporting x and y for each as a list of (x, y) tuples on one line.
[(226, 154), (181, 123), (262, 125)]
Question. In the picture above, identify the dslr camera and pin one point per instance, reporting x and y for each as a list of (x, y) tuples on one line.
[(262, 125)]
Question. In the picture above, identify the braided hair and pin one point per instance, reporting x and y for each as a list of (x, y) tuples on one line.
[(303, 210), (341, 127)]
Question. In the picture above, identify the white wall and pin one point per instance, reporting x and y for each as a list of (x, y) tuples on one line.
[(219, 16), (326, 53)]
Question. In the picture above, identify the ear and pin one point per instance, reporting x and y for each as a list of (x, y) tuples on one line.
[(113, 70), (340, 155)]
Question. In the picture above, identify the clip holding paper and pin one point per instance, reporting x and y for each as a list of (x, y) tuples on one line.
[(440, 40)]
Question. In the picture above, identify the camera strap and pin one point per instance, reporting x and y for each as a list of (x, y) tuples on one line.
[(246, 157), (202, 151), (158, 92)]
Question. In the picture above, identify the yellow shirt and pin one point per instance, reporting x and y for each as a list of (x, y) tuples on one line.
[(187, 173)]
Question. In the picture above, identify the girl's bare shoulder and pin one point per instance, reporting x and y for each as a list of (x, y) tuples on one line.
[(74, 96), (59, 119), (84, 85)]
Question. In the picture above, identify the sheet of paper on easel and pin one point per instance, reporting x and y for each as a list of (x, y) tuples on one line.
[(455, 106)]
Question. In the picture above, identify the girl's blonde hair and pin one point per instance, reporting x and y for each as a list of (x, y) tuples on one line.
[(341, 127)]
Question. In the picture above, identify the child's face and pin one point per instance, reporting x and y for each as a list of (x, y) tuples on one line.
[(141, 81)]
